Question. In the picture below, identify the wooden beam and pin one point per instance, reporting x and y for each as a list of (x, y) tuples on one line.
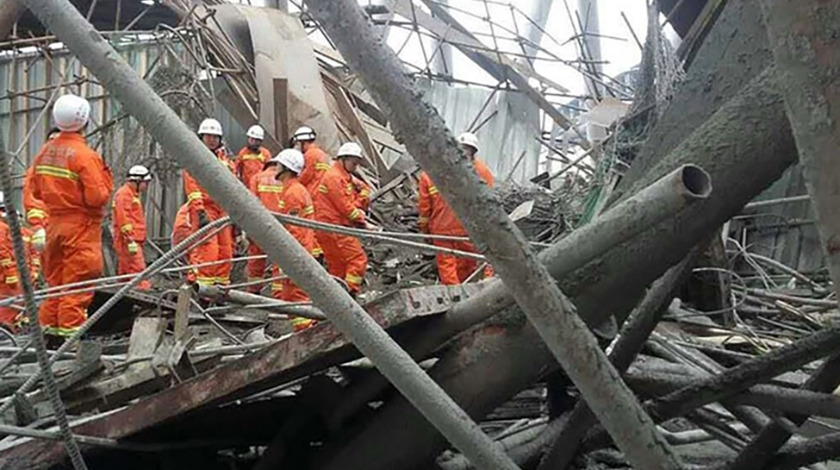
[(145, 336), (348, 113), (281, 109), (293, 357), (182, 312)]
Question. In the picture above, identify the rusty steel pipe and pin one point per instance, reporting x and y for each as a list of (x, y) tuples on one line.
[(247, 298), (163, 124), (663, 199), (425, 135)]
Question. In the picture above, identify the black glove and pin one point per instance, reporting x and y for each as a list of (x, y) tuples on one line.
[(203, 219)]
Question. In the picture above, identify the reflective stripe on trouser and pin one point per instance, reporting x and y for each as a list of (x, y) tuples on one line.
[(255, 267), (453, 270), (217, 248), (8, 315), (73, 253), (286, 290), (131, 263), (64, 332), (345, 258)]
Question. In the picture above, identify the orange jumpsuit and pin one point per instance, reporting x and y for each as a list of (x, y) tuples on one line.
[(335, 203), (34, 258), (9, 282), (265, 186), (218, 247), (129, 230), (249, 163), (75, 185), (315, 164), (181, 229), (362, 194), (295, 200), (437, 218), (36, 211)]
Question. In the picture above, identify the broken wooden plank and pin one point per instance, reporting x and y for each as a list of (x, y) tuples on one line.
[(291, 358), (348, 112), (182, 311), (281, 109), (116, 391), (145, 336)]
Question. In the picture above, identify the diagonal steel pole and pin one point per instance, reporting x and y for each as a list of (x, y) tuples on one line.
[(741, 377), (71, 446), (163, 124), (10, 12), (425, 135), (805, 40), (632, 338)]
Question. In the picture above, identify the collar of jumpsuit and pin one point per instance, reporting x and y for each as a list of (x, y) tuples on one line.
[(69, 136), (339, 165)]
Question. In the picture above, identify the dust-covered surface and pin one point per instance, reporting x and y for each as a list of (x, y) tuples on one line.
[(272, 397)]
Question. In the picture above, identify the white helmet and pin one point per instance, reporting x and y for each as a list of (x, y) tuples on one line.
[(291, 159), (350, 149), (71, 113), (139, 173), (256, 132), (303, 134), (2, 201), (210, 126), (468, 138)]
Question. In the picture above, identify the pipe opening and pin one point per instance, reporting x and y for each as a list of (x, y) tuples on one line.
[(696, 181)]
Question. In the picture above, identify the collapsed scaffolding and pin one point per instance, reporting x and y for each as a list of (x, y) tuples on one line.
[(688, 392)]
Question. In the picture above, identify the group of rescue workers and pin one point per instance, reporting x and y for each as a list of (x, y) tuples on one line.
[(68, 186)]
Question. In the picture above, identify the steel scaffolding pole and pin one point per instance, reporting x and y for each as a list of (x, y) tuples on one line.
[(425, 136), (163, 124)]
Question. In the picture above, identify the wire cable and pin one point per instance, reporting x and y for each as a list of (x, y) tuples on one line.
[(159, 264)]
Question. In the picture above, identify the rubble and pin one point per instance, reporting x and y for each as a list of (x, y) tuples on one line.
[(720, 355)]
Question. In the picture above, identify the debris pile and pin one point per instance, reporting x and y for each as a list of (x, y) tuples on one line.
[(723, 356), (546, 219)]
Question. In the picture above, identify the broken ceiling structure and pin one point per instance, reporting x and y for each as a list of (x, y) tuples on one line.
[(704, 351)]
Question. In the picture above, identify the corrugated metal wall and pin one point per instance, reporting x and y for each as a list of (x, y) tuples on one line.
[(28, 80), (511, 129)]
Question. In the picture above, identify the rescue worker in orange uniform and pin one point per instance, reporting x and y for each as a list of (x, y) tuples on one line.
[(362, 193), (315, 164), (10, 317), (181, 228), (316, 161), (75, 184), (437, 218), (294, 200), (33, 255), (336, 203), (265, 186), (204, 210), (252, 158), (36, 210), (129, 224)]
